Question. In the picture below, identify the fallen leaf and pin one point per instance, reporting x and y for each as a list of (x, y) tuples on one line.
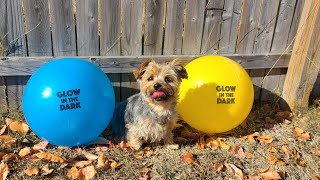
[(316, 178), (148, 151), (280, 163), (234, 170), (265, 139), (40, 146), (201, 143), (238, 151), (188, 158), (20, 127), (212, 142), (272, 149), (25, 151), (253, 137), (222, 144), (8, 121), (249, 155), (101, 149), (316, 152), (267, 174), (10, 157), (301, 134), (89, 156), (73, 173), (217, 167), (81, 164), (101, 161), (272, 160), (31, 171), (123, 145), (45, 170), (115, 164), (4, 171), (3, 129), (145, 170), (88, 172), (286, 151), (50, 157), (7, 140), (1, 155)]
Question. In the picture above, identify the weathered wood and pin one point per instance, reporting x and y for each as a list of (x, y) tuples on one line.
[(110, 13), (295, 24), (229, 27), (3, 40), (305, 60), (193, 27), (87, 28), (262, 44), (248, 26), (38, 27), (63, 30), (153, 32), (131, 40), (212, 27), (174, 23), (282, 29), (10, 66)]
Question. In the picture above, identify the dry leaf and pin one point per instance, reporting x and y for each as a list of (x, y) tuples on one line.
[(222, 144), (115, 164), (123, 145), (1, 155), (89, 156), (316, 178), (201, 143), (101, 149), (31, 171), (40, 146), (217, 167), (272, 160), (238, 151), (301, 134), (148, 151), (20, 127), (145, 170), (280, 163), (88, 172), (188, 158), (50, 157), (3, 129), (7, 141), (8, 121), (25, 151), (10, 157), (212, 142), (4, 171), (101, 161), (81, 164), (249, 155), (267, 174), (45, 170), (265, 139), (234, 170), (73, 173), (272, 149), (286, 151), (252, 137)]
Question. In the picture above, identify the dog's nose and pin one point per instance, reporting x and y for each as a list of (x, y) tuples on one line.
[(157, 86)]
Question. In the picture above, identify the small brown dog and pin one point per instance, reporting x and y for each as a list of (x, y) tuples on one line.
[(150, 116)]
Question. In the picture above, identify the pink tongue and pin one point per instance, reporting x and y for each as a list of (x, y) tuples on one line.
[(158, 94)]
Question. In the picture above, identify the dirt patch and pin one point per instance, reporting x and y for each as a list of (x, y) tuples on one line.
[(267, 139)]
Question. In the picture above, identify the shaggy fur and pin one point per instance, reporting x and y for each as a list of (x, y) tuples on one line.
[(150, 115)]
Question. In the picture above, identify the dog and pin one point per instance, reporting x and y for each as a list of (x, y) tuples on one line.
[(150, 115)]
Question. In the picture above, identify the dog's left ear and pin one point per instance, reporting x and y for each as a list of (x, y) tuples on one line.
[(138, 73), (179, 68)]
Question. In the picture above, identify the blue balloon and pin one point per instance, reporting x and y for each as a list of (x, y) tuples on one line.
[(68, 102)]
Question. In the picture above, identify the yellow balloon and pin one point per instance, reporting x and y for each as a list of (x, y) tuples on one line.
[(217, 96)]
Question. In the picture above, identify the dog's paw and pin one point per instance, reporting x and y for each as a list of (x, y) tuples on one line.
[(172, 146)]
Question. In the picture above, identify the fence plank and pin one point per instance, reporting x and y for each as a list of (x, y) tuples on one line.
[(125, 64), (295, 24), (193, 27), (3, 41), (153, 33), (131, 40), (63, 30), (174, 24), (38, 27), (16, 46), (110, 13), (212, 27), (248, 26), (87, 27), (281, 33), (229, 27)]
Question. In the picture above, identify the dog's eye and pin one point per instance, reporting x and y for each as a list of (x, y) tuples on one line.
[(150, 78), (167, 79)]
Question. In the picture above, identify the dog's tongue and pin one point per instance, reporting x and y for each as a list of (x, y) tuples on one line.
[(158, 94)]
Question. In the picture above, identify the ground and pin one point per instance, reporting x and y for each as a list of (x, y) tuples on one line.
[(271, 144)]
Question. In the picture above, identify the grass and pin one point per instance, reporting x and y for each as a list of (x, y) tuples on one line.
[(158, 162)]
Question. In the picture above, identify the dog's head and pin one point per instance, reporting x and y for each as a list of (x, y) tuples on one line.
[(159, 83)]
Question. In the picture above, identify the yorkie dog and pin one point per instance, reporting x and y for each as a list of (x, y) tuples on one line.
[(150, 116)]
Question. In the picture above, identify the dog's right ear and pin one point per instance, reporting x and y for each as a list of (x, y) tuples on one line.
[(138, 73)]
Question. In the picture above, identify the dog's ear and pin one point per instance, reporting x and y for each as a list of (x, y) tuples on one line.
[(138, 73), (179, 68)]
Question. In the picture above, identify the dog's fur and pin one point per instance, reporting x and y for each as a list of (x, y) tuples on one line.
[(150, 115)]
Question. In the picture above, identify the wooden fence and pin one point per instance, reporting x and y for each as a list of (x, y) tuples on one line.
[(118, 35)]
